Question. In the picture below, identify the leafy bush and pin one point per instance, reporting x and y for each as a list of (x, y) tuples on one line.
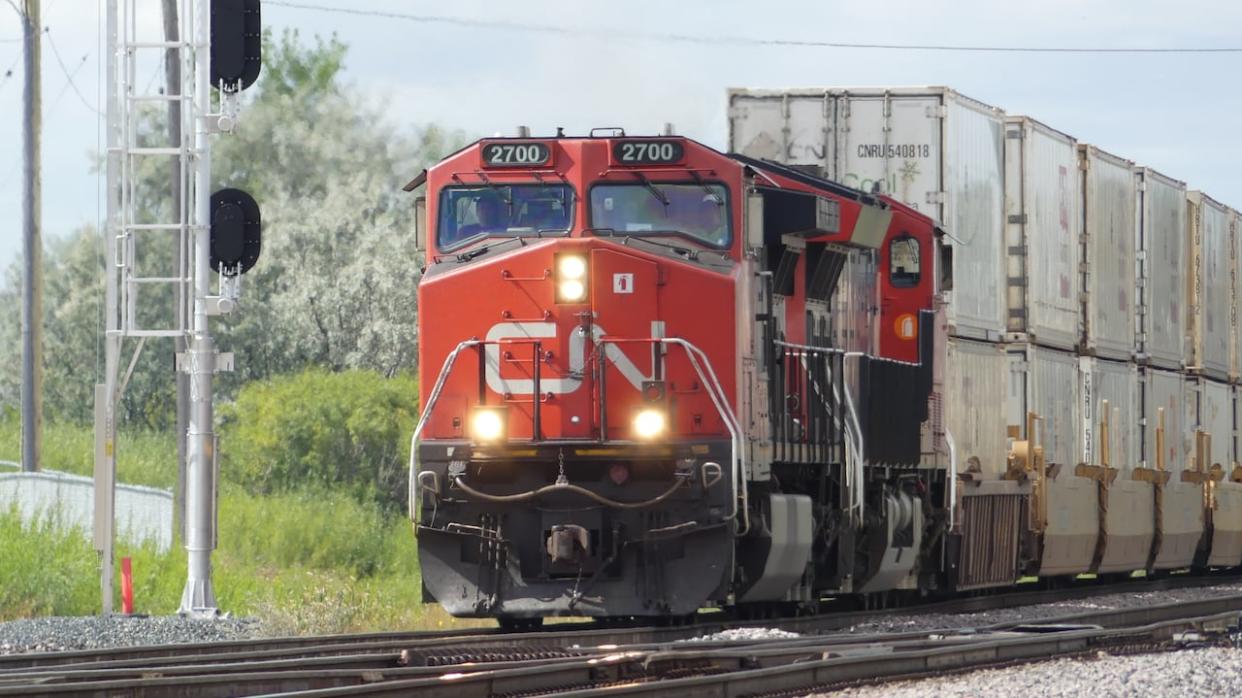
[(321, 430)]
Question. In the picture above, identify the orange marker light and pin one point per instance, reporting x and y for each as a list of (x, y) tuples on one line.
[(906, 326)]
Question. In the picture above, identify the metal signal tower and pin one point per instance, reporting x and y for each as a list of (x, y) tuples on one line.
[(189, 224)]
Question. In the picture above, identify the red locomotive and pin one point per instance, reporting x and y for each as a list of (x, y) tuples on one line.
[(657, 377)]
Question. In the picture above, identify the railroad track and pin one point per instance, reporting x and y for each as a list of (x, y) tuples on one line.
[(581, 658)]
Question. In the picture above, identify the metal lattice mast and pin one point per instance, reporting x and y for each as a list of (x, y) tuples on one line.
[(127, 235)]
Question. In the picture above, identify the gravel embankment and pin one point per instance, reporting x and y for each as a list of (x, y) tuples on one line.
[(744, 634), (1213, 671), (914, 621), (93, 632)]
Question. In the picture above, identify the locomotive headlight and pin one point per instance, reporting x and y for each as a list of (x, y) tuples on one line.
[(487, 424), (571, 266), (571, 290), (649, 424), (571, 278)]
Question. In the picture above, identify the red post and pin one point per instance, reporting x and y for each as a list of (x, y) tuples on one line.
[(127, 586)]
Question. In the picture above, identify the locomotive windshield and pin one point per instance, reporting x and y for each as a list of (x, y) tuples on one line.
[(503, 211), (698, 211)]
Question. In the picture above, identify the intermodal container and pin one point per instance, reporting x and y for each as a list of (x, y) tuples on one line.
[(1110, 199), (1209, 291), (976, 381), (1115, 385), (932, 148), (1163, 269), (1043, 198)]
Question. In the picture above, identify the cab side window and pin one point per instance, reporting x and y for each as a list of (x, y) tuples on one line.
[(903, 262)]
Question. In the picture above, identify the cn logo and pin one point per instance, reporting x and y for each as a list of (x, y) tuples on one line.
[(622, 283), (577, 357)]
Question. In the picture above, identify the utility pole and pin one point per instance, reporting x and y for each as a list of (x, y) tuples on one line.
[(32, 243), (172, 86), (104, 528)]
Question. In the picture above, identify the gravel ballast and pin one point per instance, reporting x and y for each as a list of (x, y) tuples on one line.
[(1213, 671), (915, 621), (58, 634), (744, 635)]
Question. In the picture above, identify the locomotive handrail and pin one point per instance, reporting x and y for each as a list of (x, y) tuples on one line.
[(952, 445), (561, 485), (860, 445), (445, 370), (717, 394), (854, 443), (708, 378), (735, 429)]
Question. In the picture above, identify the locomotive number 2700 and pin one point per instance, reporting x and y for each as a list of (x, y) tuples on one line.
[(515, 154), (636, 152)]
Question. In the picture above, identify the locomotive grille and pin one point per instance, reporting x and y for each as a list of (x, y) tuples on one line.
[(991, 528)]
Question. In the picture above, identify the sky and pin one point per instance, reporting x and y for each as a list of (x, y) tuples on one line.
[(1178, 113)]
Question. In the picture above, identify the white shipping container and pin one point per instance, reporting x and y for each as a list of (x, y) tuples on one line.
[(1235, 394), (1165, 393), (1116, 383), (1235, 252), (1210, 288), (1164, 390), (1042, 230), (935, 150), (1212, 403), (976, 381), (1045, 381), (1227, 517), (1162, 240), (1110, 197)]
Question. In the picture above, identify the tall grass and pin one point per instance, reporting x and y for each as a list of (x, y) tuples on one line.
[(300, 562), (307, 561), (143, 457)]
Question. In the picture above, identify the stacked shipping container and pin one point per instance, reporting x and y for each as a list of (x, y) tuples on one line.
[(1076, 274)]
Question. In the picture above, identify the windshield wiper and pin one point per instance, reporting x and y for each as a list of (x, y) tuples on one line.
[(659, 195), (699, 180), (498, 189), (479, 251), (686, 252)]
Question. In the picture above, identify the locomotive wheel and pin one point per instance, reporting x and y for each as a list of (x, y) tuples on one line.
[(513, 624)]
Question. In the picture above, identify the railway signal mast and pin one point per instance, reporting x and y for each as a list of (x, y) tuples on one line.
[(216, 235)]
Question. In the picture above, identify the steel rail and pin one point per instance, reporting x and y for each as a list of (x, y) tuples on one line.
[(563, 635), (757, 668)]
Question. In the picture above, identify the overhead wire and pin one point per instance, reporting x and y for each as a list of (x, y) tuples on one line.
[(11, 175), (47, 31), (65, 88), (614, 33)]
